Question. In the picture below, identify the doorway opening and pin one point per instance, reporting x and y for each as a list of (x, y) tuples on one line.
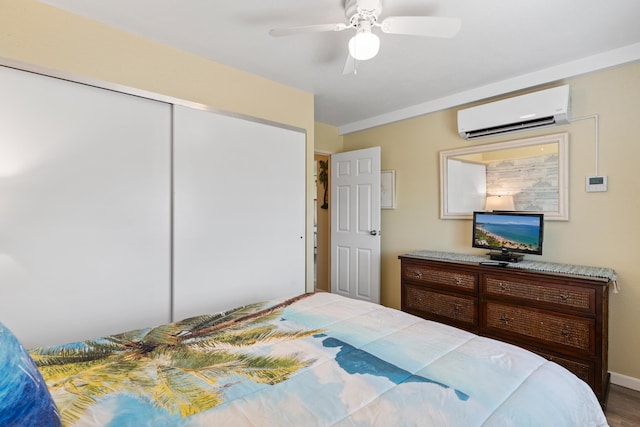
[(321, 223)]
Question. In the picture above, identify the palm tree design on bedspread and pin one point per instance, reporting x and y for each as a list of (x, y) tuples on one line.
[(177, 366)]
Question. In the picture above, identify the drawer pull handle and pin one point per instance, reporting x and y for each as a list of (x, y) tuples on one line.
[(457, 308), (504, 287), (504, 319), (458, 280), (565, 332), (417, 274), (564, 297)]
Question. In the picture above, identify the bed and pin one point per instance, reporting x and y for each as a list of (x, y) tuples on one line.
[(314, 359)]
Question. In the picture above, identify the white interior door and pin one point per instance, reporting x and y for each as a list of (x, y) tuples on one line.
[(355, 224)]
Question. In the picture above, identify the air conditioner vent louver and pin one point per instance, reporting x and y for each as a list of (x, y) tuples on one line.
[(545, 108), (529, 124)]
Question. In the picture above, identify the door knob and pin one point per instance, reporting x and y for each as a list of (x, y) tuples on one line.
[(374, 232)]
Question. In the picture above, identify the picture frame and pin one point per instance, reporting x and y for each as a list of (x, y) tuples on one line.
[(388, 189)]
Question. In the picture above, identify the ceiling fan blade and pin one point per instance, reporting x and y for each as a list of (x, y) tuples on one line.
[(368, 5), (349, 65), (430, 26), (321, 28)]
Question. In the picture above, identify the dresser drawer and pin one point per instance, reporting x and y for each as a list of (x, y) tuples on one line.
[(454, 279), (457, 307), (583, 370), (570, 297), (542, 326)]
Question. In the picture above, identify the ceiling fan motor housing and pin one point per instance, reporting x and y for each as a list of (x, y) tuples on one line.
[(359, 10)]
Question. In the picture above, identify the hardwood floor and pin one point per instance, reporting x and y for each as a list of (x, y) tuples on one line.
[(623, 407)]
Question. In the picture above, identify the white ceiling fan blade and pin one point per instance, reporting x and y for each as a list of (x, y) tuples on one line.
[(349, 65), (321, 28), (368, 5), (430, 26)]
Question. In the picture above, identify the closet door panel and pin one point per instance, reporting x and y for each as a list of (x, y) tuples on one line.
[(239, 215), (84, 209)]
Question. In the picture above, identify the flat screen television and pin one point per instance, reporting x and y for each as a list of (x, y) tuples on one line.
[(509, 234)]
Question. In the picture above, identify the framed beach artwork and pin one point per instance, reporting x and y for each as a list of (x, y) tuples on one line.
[(388, 189)]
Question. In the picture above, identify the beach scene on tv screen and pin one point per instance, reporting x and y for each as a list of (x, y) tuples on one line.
[(510, 232)]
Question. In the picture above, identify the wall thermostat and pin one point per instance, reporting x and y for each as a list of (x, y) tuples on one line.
[(596, 183)]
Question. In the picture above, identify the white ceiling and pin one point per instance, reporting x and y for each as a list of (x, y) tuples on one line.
[(503, 46)]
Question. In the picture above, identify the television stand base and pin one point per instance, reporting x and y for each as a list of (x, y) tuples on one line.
[(508, 257)]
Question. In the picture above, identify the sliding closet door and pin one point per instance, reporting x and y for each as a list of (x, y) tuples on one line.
[(84, 209), (239, 215)]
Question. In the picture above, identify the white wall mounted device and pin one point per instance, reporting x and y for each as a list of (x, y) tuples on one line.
[(596, 184), (548, 107)]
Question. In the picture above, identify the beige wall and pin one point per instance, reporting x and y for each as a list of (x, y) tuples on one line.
[(327, 139), (37, 34), (603, 229)]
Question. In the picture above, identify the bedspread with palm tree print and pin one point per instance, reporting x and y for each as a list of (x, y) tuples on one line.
[(314, 359)]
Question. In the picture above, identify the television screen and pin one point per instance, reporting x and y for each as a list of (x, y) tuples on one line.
[(508, 232)]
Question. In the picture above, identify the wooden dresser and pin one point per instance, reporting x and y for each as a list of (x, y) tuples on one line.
[(561, 317)]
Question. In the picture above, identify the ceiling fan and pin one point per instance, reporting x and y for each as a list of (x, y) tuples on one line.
[(362, 16)]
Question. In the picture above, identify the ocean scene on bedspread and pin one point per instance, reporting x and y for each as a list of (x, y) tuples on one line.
[(316, 359)]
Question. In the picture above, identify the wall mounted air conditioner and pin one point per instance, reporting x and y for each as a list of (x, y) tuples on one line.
[(534, 110)]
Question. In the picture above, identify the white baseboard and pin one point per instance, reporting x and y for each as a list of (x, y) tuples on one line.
[(625, 381)]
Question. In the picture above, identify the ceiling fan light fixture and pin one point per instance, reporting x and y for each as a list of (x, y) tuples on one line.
[(364, 45)]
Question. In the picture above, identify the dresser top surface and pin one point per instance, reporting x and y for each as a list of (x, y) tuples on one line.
[(584, 271)]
